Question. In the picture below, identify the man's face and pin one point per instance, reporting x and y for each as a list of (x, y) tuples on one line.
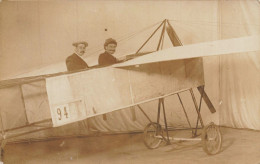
[(110, 48), (80, 49)]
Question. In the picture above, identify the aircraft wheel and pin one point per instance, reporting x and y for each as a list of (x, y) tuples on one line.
[(211, 139), (152, 135)]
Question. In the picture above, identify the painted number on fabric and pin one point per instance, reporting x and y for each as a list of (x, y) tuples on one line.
[(62, 112)]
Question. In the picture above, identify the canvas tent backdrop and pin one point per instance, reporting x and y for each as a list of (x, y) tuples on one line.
[(36, 38)]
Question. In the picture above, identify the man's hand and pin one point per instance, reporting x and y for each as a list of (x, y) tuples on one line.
[(122, 59)]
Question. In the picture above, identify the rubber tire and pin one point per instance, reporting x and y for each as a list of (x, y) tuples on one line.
[(204, 138), (146, 131)]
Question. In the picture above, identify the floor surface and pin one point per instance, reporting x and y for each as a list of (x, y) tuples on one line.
[(239, 147)]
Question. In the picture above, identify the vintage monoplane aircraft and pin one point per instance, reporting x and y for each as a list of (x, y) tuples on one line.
[(62, 98)]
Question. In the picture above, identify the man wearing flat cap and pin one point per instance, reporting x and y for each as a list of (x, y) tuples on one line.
[(107, 57), (75, 61)]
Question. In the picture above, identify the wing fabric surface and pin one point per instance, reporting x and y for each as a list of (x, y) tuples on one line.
[(219, 47)]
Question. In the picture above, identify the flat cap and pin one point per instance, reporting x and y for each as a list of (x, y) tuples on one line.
[(110, 41), (80, 42)]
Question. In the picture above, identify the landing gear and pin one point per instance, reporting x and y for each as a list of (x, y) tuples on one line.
[(211, 138)]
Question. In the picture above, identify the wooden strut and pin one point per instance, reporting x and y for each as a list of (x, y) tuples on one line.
[(196, 107), (206, 99)]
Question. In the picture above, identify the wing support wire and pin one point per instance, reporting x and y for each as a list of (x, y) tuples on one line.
[(177, 42)]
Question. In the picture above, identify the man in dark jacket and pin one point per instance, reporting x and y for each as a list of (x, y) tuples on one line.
[(107, 57), (75, 61)]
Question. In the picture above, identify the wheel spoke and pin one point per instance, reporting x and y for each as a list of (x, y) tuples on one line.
[(211, 138), (151, 133)]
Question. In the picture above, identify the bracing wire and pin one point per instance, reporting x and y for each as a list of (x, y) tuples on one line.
[(123, 38), (211, 23)]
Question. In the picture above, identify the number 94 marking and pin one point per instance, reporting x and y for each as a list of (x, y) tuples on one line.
[(62, 113)]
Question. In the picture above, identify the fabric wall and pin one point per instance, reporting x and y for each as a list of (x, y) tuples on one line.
[(42, 32), (240, 73)]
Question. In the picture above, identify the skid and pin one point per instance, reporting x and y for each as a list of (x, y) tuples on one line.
[(180, 139)]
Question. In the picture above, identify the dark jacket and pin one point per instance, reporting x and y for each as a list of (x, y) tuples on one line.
[(106, 59), (74, 62)]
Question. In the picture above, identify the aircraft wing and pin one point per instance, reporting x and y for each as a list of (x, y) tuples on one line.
[(70, 97), (219, 47)]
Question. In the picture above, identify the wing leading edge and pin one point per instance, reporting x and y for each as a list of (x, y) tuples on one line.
[(219, 47)]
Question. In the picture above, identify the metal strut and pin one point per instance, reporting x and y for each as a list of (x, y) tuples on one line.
[(161, 101), (144, 113), (197, 123), (162, 36), (163, 22), (165, 121), (186, 115)]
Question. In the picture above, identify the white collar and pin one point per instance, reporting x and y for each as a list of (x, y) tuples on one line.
[(79, 56)]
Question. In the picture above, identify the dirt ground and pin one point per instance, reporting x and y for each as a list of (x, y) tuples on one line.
[(239, 147)]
